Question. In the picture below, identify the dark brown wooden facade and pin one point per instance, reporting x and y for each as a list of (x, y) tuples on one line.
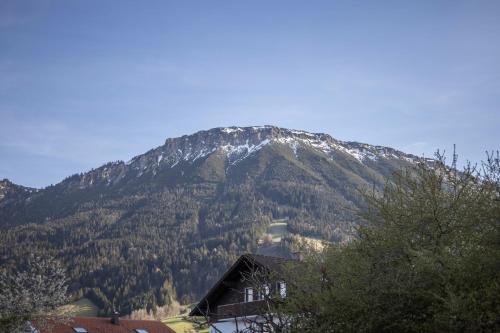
[(226, 299)]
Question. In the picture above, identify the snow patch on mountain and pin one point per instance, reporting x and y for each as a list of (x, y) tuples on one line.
[(290, 141), (230, 130), (359, 154), (237, 154)]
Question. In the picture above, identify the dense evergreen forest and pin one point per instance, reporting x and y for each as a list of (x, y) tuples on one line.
[(146, 238)]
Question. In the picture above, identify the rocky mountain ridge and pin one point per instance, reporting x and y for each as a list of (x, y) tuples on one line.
[(11, 190), (234, 144)]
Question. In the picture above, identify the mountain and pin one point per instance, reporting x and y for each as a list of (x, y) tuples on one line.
[(10, 194), (11, 191), (165, 225)]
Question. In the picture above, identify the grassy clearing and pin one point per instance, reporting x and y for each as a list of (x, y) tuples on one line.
[(81, 308), (278, 230), (181, 325)]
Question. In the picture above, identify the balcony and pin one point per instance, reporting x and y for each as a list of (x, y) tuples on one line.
[(241, 309)]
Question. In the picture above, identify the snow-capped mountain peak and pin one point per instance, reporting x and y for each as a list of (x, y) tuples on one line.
[(235, 144), (240, 142)]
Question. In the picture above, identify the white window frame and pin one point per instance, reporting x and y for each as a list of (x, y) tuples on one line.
[(249, 295), (266, 291), (281, 288)]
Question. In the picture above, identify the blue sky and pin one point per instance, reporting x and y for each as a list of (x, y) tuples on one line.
[(86, 82)]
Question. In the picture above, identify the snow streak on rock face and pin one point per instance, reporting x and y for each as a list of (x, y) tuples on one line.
[(238, 143), (235, 144)]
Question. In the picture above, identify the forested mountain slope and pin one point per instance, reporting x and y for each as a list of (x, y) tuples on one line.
[(166, 224)]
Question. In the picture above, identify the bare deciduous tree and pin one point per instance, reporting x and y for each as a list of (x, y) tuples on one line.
[(270, 317), (30, 296)]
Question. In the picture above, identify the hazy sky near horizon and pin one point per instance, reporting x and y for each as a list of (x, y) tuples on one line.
[(87, 82)]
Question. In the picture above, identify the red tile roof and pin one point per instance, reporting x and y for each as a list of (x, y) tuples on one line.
[(104, 325)]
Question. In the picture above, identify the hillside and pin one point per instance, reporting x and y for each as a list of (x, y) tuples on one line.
[(166, 224)]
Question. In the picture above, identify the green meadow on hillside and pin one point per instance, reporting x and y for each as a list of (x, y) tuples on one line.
[(279, 229), (83, 307), (181, 325)]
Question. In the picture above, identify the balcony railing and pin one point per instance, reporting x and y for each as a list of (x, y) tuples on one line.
[(241, 309)]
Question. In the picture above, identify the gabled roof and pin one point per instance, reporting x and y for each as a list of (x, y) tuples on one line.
[(273, 264), (104, 325)]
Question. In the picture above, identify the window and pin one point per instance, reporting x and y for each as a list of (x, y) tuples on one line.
[(266, 291), (141, 330), (281, 286), (248, 294), (80, 330)]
